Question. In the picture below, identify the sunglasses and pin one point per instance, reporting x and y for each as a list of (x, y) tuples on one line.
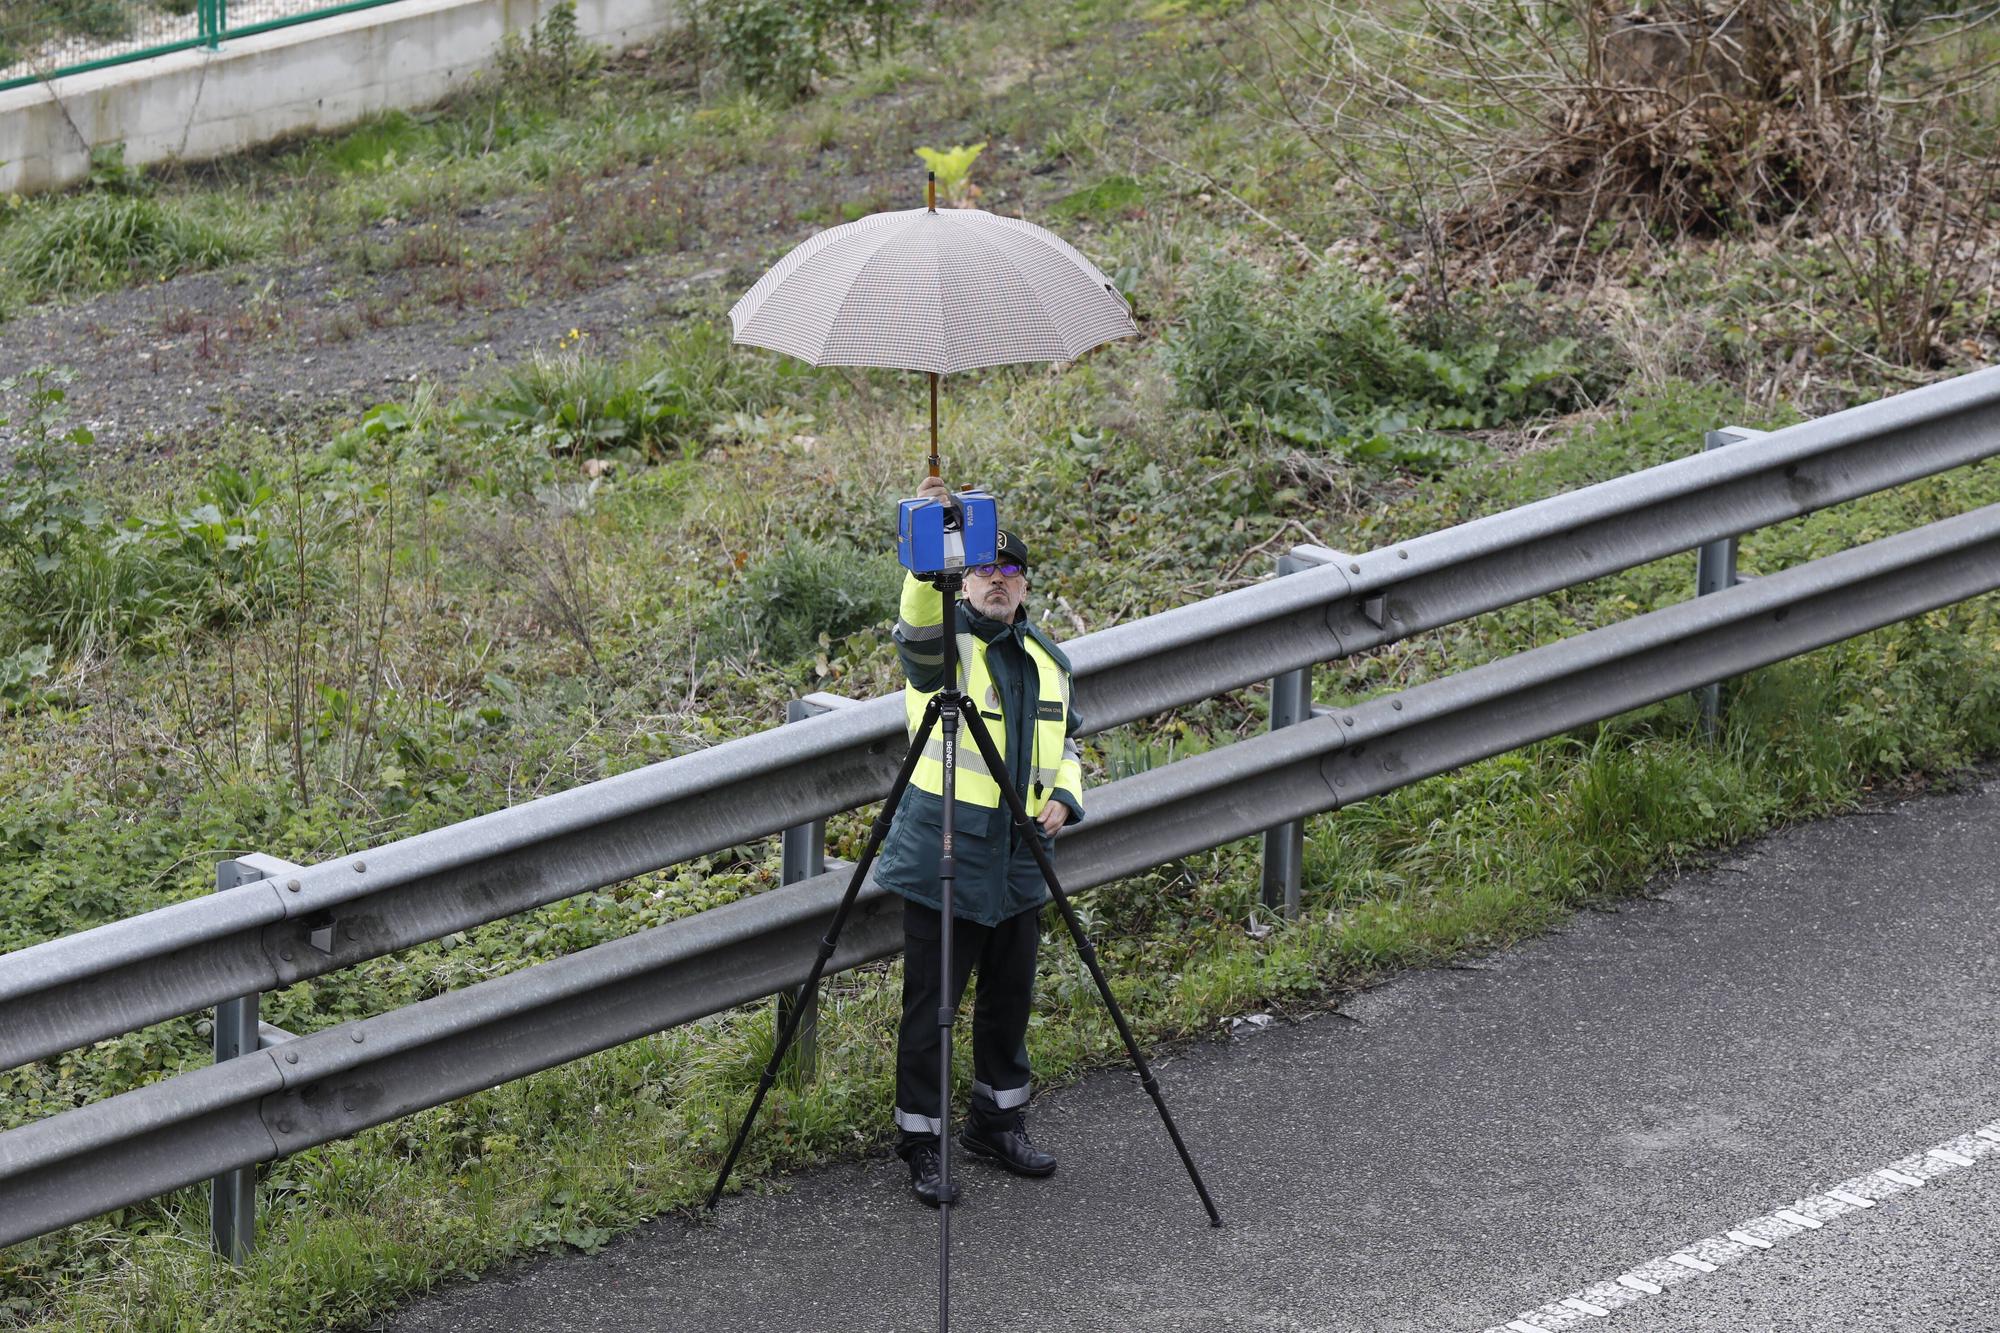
[(1009, 569)]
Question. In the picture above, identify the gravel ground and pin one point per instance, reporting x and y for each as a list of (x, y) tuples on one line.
[(160, 365)]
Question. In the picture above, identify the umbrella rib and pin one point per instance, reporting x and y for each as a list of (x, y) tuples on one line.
[(882, 236), (1001, 259)]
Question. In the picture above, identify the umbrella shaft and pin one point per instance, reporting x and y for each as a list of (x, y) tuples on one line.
[(934, 452)]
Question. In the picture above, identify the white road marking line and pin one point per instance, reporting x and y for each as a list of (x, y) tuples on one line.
[(1743, 1243)]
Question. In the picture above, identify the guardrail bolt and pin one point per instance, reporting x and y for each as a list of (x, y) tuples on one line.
[(292, 884), (360, 866)]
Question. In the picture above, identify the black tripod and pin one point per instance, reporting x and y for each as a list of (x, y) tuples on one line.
[(950, 707)]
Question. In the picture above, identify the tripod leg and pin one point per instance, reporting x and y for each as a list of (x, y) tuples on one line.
[(951, 711), (996, 766), (827, 942)]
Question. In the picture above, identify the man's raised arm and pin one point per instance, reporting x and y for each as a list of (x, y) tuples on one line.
[(920, 617)]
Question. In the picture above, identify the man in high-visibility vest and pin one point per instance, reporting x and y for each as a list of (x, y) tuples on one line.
[(1020, 683)]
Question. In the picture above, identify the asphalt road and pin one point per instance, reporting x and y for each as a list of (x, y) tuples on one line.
[(1465, 1147)]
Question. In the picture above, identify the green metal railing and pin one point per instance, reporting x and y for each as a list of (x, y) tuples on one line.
[(47, 39)]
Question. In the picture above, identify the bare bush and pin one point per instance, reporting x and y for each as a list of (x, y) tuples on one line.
[(546, 554), (1537, 134)]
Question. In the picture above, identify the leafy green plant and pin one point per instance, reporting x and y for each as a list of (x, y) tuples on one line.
[(553, 59), (806, 592), (780, 48), (225, 536), (660, 402), (110, 173), (1325, 360), (50, 526), (953, 167), (773, 47), (19, 671)]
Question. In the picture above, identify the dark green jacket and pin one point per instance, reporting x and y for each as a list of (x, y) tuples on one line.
[(997, 874)]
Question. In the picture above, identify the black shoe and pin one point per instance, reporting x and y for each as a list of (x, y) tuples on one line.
[(1008, 1146), (927, 1177)]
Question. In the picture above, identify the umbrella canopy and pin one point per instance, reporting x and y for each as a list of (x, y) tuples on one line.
[(942, 292)]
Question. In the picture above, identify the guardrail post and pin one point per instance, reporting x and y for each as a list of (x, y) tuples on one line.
[(804, 856), (1714, 570), (1291, 704), (232, 1196), (210, 15)]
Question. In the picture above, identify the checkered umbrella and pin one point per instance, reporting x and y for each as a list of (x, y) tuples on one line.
[(933, 291)]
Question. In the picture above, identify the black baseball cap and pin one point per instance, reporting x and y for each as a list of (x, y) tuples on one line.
[(1011, 547)]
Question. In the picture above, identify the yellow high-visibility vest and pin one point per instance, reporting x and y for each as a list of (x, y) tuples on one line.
[(1055, 762)]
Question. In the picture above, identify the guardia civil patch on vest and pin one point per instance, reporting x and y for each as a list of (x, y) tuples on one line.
[(1048, 710)]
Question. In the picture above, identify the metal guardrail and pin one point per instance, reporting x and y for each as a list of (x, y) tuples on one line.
[(50, 39), (102, 982), (334, 1083)]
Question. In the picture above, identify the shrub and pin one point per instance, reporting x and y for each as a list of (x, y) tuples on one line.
[(806, 588), (70, 573), (1326, 360), (552, 60), (1534, 135), (780, 48)]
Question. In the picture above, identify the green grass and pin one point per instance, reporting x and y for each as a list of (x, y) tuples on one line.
[(1471, 860), (312, 640), (106, 240)]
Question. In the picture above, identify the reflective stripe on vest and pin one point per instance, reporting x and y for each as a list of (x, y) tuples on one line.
[(1054, 762)]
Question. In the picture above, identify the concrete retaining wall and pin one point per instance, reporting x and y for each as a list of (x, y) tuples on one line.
[(315, 76)]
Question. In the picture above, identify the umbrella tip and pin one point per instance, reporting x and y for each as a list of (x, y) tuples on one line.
[(930, 191)]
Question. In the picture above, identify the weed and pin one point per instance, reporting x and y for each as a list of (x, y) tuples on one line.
[(660, 402), (781, 48), (99, 240), (1326, 361), (806, 592), (552, 61)]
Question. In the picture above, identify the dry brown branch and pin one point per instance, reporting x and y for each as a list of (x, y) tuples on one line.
[(1525, 137)]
